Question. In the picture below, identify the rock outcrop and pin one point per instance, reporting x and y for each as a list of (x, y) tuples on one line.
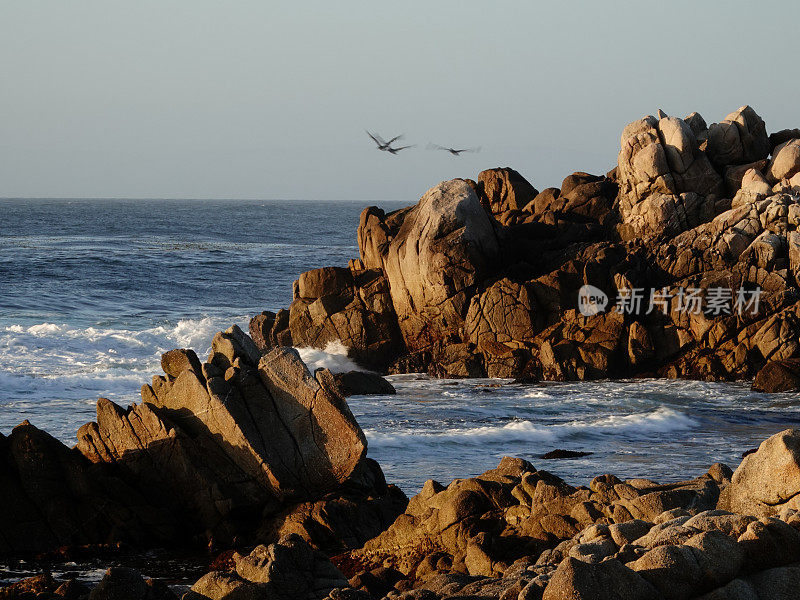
[(518, 532), (286, 570), (515, 532), (244, 447), (692, 239)]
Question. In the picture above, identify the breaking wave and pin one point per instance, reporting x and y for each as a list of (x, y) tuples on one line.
[(660, 420), (333, 357)]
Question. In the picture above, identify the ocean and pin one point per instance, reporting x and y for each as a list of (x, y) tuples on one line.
[(93, 291)]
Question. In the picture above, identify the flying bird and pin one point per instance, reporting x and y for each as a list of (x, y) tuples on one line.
[(383, 145), (396, 150), (453, 151)]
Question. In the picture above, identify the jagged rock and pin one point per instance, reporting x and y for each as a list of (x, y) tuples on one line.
[(249, 399), (236, 446), (354, 309), (768, 480), (268, 329), (778, 376), (504, 192), (375, 230), (581, 347), (662, 157), (355, 383)]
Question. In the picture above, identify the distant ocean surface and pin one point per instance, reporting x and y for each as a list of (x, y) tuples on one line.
[(93, 291)]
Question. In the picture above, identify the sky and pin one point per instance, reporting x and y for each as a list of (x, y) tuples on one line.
[(270, 100)]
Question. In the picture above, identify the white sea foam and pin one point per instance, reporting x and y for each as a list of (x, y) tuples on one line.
[(333, 357), (661, 420), (52, 366)]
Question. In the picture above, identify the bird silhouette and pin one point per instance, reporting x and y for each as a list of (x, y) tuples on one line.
[(396, 150), (453, 151), (381, 143)]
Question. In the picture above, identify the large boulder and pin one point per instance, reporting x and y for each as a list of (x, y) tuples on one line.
[(351, 306), (768, 480), (785, 162), (778, 376), (355, 383), (609, 579), (661, 156), (504, 192), (445, 247), (740, 138)]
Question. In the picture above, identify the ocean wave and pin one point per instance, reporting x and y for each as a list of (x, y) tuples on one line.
[(660, 420), (333, 357)]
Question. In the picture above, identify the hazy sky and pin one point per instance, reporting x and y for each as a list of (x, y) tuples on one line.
[(238, 99)]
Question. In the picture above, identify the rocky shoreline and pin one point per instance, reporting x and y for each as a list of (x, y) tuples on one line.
[(254, 459), (483, 278)]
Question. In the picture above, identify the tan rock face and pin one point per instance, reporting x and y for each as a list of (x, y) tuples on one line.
[(778, 376), (739, 139), (503, 313), (245, 435), (785, 161), (504, 192), (445, 247), (767, 481), (662, 158)]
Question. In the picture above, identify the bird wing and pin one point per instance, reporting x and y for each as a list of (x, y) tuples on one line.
[(403, 147), (395, 138), (376, 138)]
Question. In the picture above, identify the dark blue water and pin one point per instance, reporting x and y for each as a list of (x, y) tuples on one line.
[(128, 261), (92, 292)]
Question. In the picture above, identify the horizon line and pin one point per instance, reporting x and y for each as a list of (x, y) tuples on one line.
[(176, 198)]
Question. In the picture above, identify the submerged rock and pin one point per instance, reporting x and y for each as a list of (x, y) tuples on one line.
[(353, 383)]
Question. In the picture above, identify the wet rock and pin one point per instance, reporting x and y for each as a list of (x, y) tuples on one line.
[(352, 307), (31, 587), (560, 454), (778, 376), (353, 383)]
